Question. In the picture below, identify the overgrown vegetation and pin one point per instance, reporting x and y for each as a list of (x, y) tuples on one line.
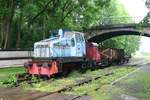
[(146, 20), (99, 89), (103, 85), (86, 89), (23, 22), (7, 75)]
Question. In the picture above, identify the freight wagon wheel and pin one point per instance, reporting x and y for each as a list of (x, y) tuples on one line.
[(118, 62), (105, 62), (127, 60), (90, 64)]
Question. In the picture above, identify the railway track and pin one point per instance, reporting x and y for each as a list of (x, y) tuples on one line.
[(69, 87), (37, 95), (55, 94), (58, 93)]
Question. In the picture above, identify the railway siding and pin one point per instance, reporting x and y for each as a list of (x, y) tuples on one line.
[(92, 80)]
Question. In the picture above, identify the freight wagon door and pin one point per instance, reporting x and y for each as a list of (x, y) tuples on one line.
[(80, 45)]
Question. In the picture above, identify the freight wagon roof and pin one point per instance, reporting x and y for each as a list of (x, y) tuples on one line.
[(112, 48)]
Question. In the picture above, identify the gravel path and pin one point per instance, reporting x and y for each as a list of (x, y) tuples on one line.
[(138, 61), (135, 86)]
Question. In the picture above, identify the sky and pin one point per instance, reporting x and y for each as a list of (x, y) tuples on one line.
[(137, 8)]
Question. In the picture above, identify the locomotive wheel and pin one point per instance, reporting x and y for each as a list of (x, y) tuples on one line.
[(65, 72), (60, 66), (84, 66)]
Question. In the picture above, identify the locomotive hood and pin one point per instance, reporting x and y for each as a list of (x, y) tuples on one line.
[(44, 48), (49, 48)]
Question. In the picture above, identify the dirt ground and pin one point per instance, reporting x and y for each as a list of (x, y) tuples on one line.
[(19, 94)]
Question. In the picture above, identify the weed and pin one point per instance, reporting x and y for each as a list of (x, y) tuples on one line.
[(7, 75), (102, 93), (9, 81)]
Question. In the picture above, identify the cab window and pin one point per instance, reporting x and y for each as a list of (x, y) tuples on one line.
[(79, 37), (72, 42)]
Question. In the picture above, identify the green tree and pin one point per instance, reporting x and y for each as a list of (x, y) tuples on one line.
[(129, 43), (23, 22), (116, 15)]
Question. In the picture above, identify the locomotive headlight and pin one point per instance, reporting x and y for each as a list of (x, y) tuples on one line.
[(45, 65), (39, 64)]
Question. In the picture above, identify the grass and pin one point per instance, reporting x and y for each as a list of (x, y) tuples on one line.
[(56, 84), (103, 85), (137, 86), (103, 93), (7, 74), (86, 89)]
